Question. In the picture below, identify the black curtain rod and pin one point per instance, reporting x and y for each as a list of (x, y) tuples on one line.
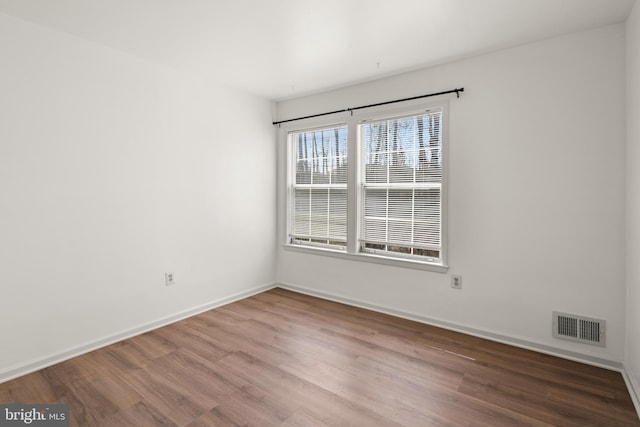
[(456, 91)]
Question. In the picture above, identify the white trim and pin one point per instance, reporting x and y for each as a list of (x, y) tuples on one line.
[(37, 364), (492, 336), (633, 386), (368, 257)]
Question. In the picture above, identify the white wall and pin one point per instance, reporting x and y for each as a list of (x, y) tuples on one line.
[(633, 197), (114, 170), (537, 152)]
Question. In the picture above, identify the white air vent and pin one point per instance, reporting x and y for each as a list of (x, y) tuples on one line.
[(579, 328)]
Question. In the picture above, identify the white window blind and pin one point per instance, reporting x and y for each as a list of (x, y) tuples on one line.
[(318, 189), (402, 186)]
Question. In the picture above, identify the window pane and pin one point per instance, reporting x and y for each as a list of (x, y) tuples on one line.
[(337, 210), (427, 204), (400, 231), (401, 204), (404, 150), (375, 203), (321, 156), (409, 216), (303, 172), (301, 217), (339, 170), (376, 230), (319, 212), (430, 148)]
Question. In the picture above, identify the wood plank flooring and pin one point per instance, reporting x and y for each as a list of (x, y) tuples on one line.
[(285, 359)]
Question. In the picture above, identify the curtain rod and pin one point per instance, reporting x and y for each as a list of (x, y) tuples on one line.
[(456, 91)]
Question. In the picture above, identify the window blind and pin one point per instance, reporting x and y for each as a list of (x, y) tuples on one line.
[(402, 185), (319, 187)]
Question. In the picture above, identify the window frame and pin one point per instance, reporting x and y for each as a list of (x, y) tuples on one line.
[(355, 200)]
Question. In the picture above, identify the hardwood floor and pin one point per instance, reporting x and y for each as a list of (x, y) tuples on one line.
[(285, 359)]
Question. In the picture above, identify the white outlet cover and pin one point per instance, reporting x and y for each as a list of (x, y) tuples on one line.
[(169, 279), (456, 282)]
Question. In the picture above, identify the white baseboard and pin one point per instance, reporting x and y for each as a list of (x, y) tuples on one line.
[(633, 385), (504, 339), (34, 365)]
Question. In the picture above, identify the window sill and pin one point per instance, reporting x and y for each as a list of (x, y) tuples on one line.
[(376, 259)]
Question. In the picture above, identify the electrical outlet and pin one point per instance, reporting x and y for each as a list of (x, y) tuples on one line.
[(456, 282), (169, 279)]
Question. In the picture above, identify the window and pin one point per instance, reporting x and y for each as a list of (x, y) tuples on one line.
[(372, 188), (318, 192), (402, 185)]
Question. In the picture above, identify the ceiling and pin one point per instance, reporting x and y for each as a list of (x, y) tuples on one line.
[(286, 48)]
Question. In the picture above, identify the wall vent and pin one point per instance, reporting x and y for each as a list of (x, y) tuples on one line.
[(579, 328)]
